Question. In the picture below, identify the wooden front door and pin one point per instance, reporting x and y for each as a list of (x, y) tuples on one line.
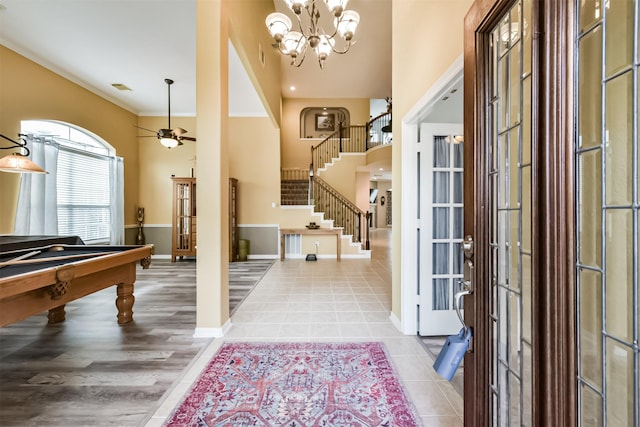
[(519, 215)]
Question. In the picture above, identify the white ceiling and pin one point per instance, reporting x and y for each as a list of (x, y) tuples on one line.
[(139, 43)]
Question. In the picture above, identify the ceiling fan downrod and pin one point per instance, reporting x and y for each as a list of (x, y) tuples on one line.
[(169, 82)]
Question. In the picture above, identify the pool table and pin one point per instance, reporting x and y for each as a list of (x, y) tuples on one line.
[(36, 279)]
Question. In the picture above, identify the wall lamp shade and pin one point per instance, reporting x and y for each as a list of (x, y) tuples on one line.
[(294, 43), (17, 162), (169, 142)]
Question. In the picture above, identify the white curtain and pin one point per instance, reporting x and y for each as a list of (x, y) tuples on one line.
[(37, 211), (116, 176)]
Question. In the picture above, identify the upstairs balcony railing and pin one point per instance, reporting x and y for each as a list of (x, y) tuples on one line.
[(352, 139)]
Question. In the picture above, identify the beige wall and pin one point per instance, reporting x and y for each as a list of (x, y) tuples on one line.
[(341, 175), (158, 163), (248, 35), (30, 91), (296, 152), (435, 29), (254, 159)]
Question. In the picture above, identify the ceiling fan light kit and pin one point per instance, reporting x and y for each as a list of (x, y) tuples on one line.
[(295, 43), (169, 137)]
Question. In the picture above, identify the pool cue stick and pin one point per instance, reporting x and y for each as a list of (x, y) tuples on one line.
[(55, 258), (21, 257)]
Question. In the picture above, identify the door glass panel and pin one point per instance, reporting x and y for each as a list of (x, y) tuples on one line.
[(590, 13), (618, 137), (525, 241), (526, 40), (440, 258), (510, 204), (440, 152), (620, 383), (607, 214), (440, 294), (590, 324), (619, 273), (590, 93), (590, 407), (458, 155), (440, 223), (526, 298), (441, 187), (514, 83), (514, 168), (619, 35), (590, 208), (503, 178), (526, 121), (514, 252), (458, 183)]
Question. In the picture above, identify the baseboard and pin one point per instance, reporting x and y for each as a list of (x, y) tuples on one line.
[(213, 332), (396, 322), (265, 256)]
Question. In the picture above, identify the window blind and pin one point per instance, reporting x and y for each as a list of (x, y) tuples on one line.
[(83, 195)]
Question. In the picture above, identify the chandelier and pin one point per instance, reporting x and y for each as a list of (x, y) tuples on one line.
[(296, 43)]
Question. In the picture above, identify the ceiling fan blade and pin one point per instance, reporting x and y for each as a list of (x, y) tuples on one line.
[(147, 136), (140, 127), (179, 131), (187, 138)]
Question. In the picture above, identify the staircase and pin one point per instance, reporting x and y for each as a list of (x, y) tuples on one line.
[(294, 192), (304, 187)]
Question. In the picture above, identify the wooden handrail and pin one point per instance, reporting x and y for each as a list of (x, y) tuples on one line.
[(351, 139), (341, 210)]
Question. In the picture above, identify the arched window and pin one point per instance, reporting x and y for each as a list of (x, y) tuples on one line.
[(87, 178)]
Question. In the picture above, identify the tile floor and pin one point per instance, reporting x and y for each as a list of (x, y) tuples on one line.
[(328, 300)]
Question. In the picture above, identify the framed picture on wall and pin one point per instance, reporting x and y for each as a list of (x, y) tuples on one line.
[(326, 122)]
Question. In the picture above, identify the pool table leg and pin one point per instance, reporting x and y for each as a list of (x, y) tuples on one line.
[(124, 302), (57, 314)]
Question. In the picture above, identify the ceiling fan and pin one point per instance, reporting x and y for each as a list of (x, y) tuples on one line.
[(169, 137)]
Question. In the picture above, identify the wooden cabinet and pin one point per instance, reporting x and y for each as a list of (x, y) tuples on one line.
[(184, 227), (233, 220)]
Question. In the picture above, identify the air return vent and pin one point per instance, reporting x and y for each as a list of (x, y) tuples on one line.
[(120, 86)]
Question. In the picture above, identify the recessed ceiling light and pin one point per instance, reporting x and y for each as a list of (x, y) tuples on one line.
[(120, 86), (381, 169), (292, 88)]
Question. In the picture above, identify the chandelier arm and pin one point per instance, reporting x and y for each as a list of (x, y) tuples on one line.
[(298, 64), (342, 52), (16, 144)]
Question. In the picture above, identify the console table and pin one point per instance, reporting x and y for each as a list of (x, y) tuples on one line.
[(311, 231)]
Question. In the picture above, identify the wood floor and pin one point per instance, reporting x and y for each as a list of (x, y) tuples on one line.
[(89, 371)]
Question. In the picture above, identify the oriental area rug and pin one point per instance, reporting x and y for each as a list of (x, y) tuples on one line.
[(297, 385)]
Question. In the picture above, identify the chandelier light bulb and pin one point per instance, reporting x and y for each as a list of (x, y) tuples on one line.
[(346, 25), (278, 25), (324, 48), (293, 43), (296, 5), (336, 6)]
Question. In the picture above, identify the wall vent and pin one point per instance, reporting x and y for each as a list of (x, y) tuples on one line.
[(120, 86)]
